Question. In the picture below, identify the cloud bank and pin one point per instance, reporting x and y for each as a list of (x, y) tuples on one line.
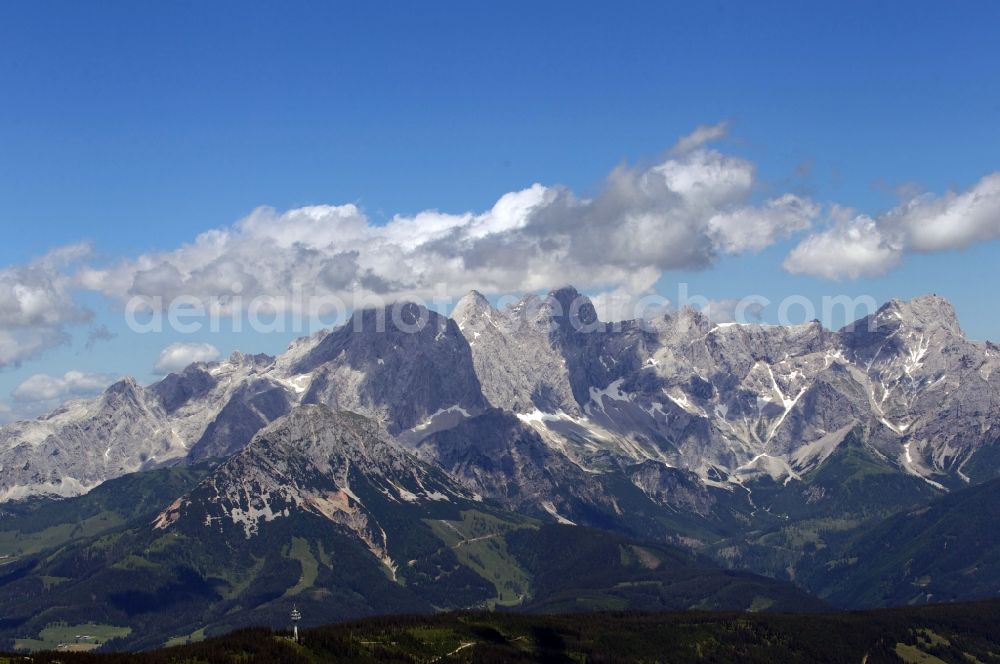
[(685, 212), (856, 245), (36, 304)]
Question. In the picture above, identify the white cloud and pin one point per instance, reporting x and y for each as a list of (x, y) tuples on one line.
[(850, 248), (177, 356), (36, 304), (862, 246), (693, 207), (952, 221), (42, 387), (23, 342), (753, 229), (681, 213)]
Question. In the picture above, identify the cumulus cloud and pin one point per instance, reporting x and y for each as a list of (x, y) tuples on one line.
[(856, 245), (851, 247), (684, 212), (688, 210), (952, 221), (179, 355), (753, 229), (23, 342), (36, 304), (42, 387)]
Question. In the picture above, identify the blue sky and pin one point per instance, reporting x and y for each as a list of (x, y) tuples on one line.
[(135, 127)]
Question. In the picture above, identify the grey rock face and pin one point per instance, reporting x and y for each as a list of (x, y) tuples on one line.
[(672, 487), (726, 400), (518, 367), (545, 353), (179, 389), (252, 406), (499, 457), (80, 445), (402, 374), (330, 464), (400, 364), (209, 409)]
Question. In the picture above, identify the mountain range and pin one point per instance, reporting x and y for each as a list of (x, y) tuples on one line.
[(729, 403), (531, 456)]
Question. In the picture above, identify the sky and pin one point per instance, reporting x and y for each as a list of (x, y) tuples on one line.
[(226, 152)]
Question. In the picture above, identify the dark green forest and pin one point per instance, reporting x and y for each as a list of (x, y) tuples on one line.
[(965, 633)]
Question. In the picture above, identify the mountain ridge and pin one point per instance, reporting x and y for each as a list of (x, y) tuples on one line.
[(722, 407)]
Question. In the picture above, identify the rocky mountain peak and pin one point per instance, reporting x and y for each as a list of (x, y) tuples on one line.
[(126, 391), (934, 311), (926, 312), (565, 295), (925, 316), (334, 440), (401, 364), (473, 298), (688, 321), (307, 426), (248, 359), (177, 389), (386, 328), (472, 305), (679, 392), (331, 464), (566, 309)]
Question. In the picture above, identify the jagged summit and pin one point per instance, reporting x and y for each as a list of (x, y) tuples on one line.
[(472, 306), (126, 393), (931, 311), (473, 299), (573, 306), (925, 312), (564, 294), (388, 327), (251, 359), (126, 385), (564, 309), (692, 317), (402, 364)]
